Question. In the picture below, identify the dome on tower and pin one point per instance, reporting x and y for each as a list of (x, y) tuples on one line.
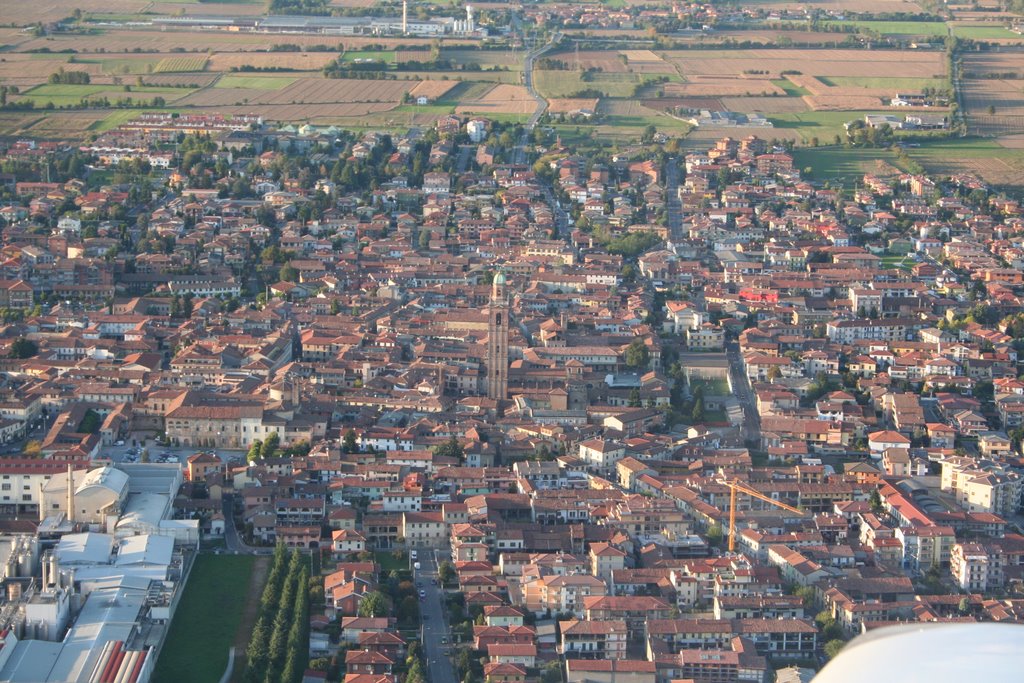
[(499, 279)]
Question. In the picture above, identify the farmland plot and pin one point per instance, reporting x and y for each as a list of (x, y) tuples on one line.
[(501, 99)]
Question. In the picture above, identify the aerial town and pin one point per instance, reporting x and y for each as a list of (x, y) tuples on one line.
[(508, 343)]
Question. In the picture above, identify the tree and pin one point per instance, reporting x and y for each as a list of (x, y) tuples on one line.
[(446, 572), (638, 357), (551, 673), (697, 415), (876, 501), (255, 451), (634, 398), (32, 449), (270, 445), (374, 604), (450, 449), (714, 535), (144, 455), (833, 647), (91, 422), (348, 442), (409, 610), (23, 348), (288, 273), (774, 373)]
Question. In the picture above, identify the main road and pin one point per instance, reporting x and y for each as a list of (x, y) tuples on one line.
[(436, 631)]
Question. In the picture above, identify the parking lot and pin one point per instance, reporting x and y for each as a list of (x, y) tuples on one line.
[(130, 453)]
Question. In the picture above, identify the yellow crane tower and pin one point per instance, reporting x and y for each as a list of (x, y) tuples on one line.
[(735, 486)]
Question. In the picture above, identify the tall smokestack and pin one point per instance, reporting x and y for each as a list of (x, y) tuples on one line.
[(405, 17), (42, 508), (71, 493)]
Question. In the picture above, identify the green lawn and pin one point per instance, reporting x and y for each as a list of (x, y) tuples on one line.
[(985, 32), (713, 386), (902, 262), (386, 56), (255, 82), (837, 163), (207, 620), (897, 28), (894, 84), (824, 125), (388, 562), (791, 88)]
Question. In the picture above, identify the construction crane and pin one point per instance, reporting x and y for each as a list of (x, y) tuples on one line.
[(735, 486)]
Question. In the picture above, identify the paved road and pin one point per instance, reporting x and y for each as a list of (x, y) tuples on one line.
[(673, 208), (542, 104), (435, 621), (741, 389), (462, 163)]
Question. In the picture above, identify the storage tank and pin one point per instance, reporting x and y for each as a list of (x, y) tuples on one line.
[(25, 565)]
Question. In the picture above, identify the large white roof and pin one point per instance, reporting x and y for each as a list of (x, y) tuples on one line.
[(931, 653), (84, 548)]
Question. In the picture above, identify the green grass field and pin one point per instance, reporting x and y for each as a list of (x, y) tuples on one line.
[(122, 66), (897, 28), (961, 148), (894, 84), (565, 83), (70, 95), (900, 262), (713, 386), (386, 56), (114, 120), (824, 125), (207, 620), (838, 163), (388, 562), (985, 33), (791, 88), (255, 82)]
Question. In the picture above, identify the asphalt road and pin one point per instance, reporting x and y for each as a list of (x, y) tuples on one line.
[(435, 627), (741, 389)]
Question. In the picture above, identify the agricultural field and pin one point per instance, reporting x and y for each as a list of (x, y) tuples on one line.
[(567, 83), (989, 32), (565, 106), (838, 164), (773, 63), (293, 61), (255, 82), (908, 29), (1001, 165), (71, 95), (485, 59), (501, 99), (993, 106), (178, 64), (872, 6)]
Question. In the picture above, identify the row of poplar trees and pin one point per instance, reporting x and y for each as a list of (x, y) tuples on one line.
[(279, 647)]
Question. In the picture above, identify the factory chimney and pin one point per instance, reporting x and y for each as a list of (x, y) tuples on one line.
[(71, 493), (405, 17)]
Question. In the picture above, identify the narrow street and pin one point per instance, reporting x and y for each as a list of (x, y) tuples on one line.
[(673, 209), (435, 631), (741, 390)]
